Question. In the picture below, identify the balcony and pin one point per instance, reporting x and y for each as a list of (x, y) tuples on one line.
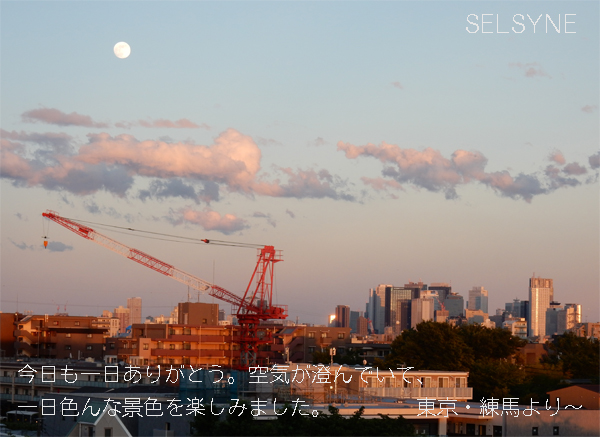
[(458, 393), (199, 338)]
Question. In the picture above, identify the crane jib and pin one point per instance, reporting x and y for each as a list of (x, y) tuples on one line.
[(150, 262)]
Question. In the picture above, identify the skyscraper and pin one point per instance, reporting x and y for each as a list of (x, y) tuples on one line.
[(541, 293), (416, 288), (376, 307), (342, 316), (478, 299), (443, 290), (455, 304), (135, 309), (422, 310), (394, 317)]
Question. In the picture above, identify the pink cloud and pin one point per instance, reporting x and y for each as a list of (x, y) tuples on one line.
[(557, 157), (209, 220), (590, 109), (530, 69), (183, 123), (54, 116), (381, 184), (233, 159), (183, 170)]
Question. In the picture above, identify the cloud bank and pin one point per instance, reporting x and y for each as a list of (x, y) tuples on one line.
[(430, 170), (188, 171)]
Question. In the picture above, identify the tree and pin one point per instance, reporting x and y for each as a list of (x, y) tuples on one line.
[(486, 343), (487, 354), (430, 346), (577, 357)]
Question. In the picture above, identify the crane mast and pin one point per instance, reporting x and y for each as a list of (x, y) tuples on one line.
[(255, 306)]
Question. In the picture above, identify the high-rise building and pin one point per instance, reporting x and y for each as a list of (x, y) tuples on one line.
[(342, 316), (517, 308), (541, 293), (443, 290), (354, 315), (376, 307), (552, 315), (422, 310), (123, 315), (416, 288), (394, 316), (478, 299), (455, 304), (362, 326), (575, 317), (135, 309)]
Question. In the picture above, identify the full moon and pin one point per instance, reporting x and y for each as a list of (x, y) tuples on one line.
[(122, 50)]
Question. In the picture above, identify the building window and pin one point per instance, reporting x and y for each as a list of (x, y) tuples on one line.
[(172, 347), (311, 334), (76, 323), (555, 430), (534, 430), (204, 321), (146, 346), (341, 336), (20, 326), (55, 323), (311, 349), (187, 331), (68, 347), (111, 345), (107, 432), (187, 346), (89, 347), (89, 336), (68, 335), (171, 331)]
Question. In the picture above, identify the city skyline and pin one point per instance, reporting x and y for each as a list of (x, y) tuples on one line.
[(373, 143)]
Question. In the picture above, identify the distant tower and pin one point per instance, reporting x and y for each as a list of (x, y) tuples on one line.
[(342, 316), (376, 307), (541, 293), (135, 309), (478, 299)]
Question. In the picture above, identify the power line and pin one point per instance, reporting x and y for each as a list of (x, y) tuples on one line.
[(179, 237)]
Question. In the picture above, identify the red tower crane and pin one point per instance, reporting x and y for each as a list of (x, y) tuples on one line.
[(255, 306)]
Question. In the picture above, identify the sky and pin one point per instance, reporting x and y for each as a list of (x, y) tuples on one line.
[(371, 142)]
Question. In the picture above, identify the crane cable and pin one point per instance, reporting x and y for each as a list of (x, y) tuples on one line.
[(192, 240)]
